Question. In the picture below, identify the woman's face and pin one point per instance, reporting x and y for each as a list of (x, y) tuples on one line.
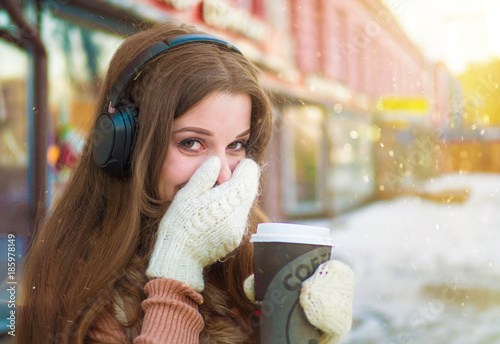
[(219, 125)]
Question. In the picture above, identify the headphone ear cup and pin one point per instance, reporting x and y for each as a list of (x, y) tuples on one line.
[(113, 140), (129, 116)]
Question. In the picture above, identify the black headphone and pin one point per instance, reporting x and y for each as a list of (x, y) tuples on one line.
[(116, 126)]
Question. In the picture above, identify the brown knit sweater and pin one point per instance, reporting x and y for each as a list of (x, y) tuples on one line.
[(170, 316)]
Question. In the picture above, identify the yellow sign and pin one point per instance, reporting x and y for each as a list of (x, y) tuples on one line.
[(401, 104)]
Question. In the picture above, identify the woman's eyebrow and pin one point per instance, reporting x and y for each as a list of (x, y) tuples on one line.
[(205, 132), (245, 133), (194, 130)]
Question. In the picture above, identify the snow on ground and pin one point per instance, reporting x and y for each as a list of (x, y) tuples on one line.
[(427, 272)]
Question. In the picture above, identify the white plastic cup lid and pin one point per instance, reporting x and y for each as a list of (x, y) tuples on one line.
[(292, 233)]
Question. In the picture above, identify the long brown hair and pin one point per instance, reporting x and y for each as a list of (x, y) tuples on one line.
[(95, 245)]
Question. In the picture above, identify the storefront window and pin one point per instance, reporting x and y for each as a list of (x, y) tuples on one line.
[(77, 59), (351, 172), (14, 212), (303, 152)]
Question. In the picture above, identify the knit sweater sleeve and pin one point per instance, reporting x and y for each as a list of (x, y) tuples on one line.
[(170, 313), (170, 316)]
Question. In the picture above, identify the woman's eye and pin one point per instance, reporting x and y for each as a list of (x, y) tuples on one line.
[(191, 144), (238, 145)]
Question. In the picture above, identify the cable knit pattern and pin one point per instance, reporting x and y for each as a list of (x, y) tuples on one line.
[(326, 298), (204, 223)]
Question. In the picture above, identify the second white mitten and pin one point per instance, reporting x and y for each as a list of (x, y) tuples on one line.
[(327, 297)]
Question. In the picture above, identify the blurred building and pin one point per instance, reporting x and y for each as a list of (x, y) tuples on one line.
[(365, 115), (352, 94)]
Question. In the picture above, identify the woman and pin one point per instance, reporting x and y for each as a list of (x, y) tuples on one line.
[(149, 245)]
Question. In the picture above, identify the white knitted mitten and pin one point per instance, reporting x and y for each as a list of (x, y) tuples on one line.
[(326, 298), (204, 223), (249, 287)]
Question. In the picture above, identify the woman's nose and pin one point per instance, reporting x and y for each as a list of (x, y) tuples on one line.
[(226, 170)]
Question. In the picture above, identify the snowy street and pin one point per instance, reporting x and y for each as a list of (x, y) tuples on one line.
[(428, 272)]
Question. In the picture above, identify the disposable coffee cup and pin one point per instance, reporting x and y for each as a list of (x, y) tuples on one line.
[(285, 255)]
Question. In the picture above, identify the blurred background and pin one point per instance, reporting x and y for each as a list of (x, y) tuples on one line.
[(387, 131)]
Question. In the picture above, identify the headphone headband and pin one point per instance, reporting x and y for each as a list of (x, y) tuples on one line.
[(133, 68)]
